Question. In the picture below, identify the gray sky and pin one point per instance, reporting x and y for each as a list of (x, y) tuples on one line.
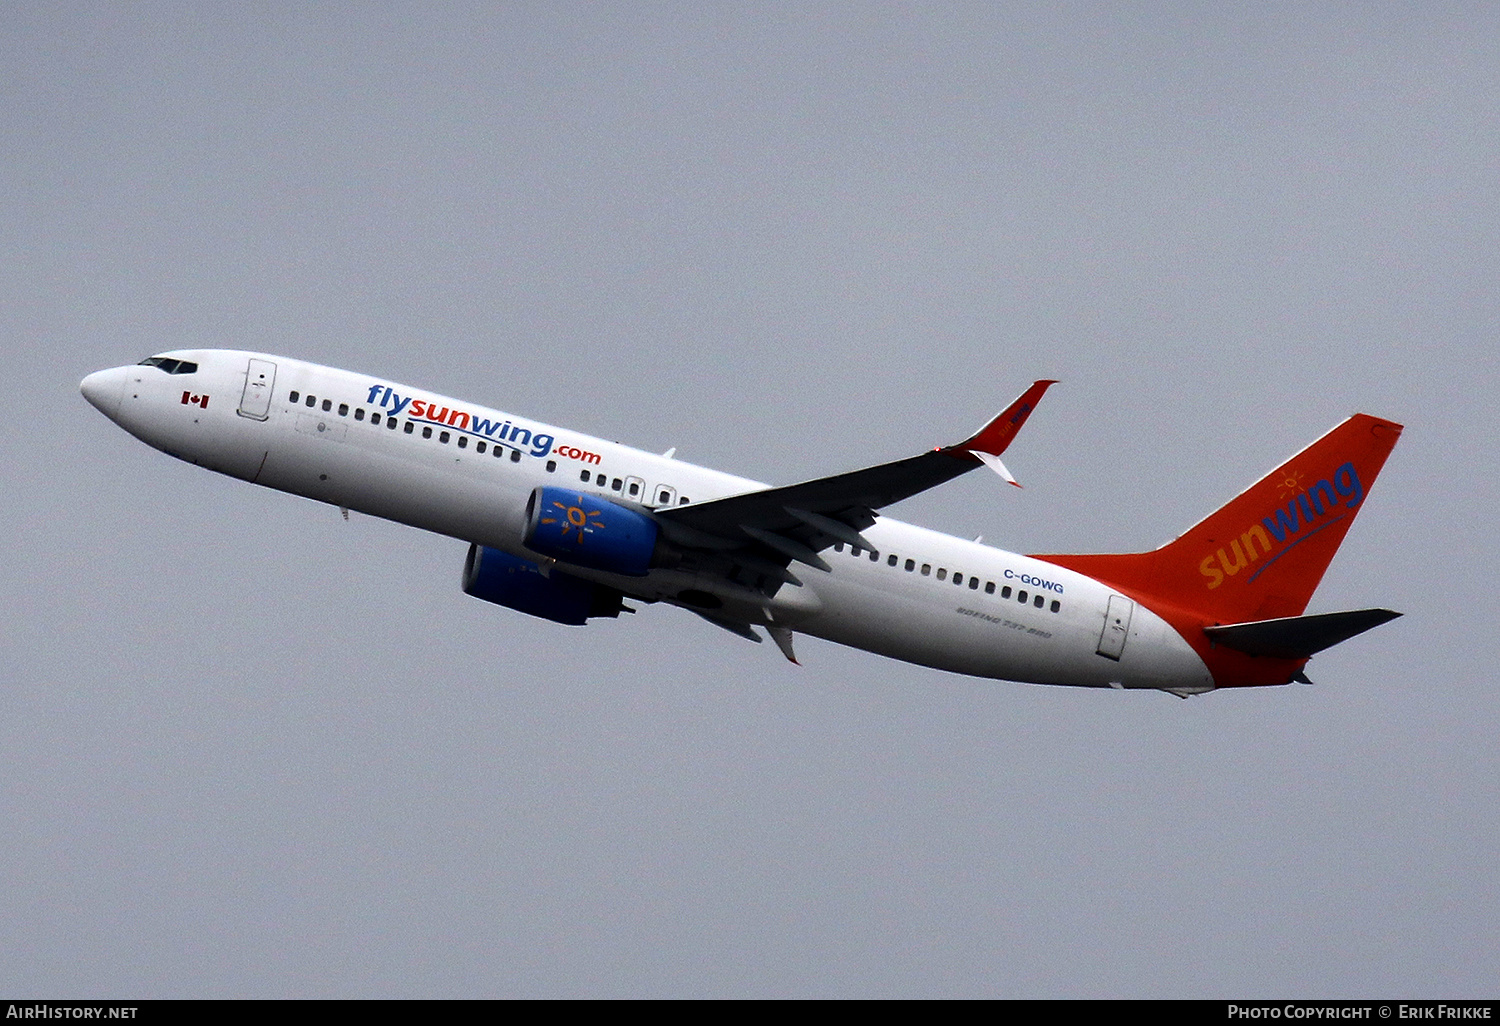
[(247, 749)]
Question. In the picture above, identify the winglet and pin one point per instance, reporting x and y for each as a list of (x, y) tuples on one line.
[(993, 462), (995, 436), (783, 638)]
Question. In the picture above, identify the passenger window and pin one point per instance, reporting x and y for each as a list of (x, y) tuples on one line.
[(359, 414), (942, 573), (515, 457), (1056, 605), (479, 447), (584, 477), (616, 485), (312, 401), (838, 546), (891, 560), (911, 564), (409, 427), (294, 396), (973, 584), (1039, 601), (1021, 597), (958, 579), (463, 441), (375, 419), (874, 556), (327, 405), (855, 550), (926, 569), (515, 454), (665, 497), (343, 409), (989, 587), (635, 489), (1005, 592), (601, 480), (684, 501), (390, 422), (426, 431), (443, 437)]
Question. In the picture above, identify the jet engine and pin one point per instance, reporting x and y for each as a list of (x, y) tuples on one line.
[(589, 530), (508, 580)]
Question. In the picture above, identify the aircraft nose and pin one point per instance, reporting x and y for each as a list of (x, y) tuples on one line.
[(103, 389)]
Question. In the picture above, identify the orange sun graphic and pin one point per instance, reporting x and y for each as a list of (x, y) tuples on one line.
[(576, 518), (1290, 484)]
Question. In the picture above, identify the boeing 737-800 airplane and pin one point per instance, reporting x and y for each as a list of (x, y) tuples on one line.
[(568, 527)]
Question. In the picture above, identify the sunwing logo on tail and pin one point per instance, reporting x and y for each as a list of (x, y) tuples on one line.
[(1306, 513)]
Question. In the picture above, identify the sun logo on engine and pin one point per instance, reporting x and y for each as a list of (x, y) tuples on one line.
[(575, 518)]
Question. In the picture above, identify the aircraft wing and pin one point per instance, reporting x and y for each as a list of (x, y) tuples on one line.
[(775, 526)]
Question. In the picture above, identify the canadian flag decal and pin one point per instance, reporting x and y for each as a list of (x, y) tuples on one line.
[(189, 399)]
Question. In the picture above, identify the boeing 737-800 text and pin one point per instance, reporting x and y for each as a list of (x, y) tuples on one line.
[(568, 527)]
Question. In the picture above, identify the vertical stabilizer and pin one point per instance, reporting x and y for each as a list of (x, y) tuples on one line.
[(1260, 556)]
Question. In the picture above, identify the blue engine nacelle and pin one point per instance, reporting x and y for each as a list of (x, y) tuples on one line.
[(589, 530), (508, 580)]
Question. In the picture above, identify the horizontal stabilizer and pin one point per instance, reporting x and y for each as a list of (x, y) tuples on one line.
[(1297, 637)]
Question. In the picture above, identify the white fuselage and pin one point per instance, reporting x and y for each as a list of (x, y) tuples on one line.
[(426, 460)]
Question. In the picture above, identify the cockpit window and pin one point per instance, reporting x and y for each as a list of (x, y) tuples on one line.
[(170, 365)]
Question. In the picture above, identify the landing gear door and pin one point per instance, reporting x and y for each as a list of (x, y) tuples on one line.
[(1116, 627), (255, 403)]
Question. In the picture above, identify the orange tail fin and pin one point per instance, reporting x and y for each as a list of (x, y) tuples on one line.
[(1262, 555)]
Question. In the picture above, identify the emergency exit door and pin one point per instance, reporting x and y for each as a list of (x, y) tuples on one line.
[(1116, 627)]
